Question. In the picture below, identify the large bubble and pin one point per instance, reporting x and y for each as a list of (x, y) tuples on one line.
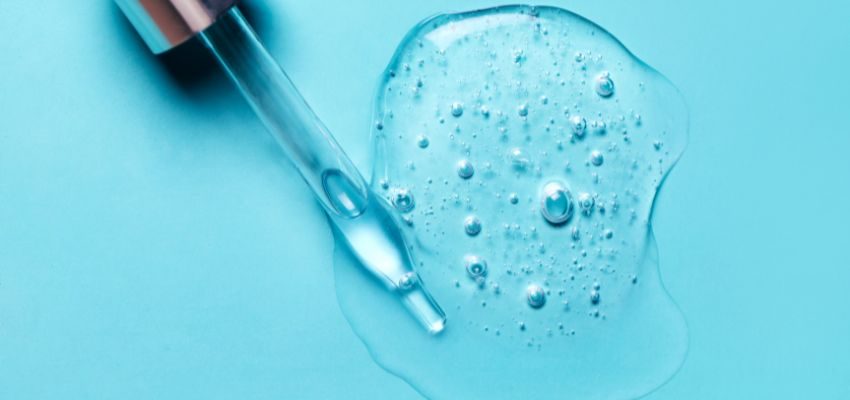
[(534, 144)]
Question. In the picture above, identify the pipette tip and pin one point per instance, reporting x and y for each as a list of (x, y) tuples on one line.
[(425, 309)]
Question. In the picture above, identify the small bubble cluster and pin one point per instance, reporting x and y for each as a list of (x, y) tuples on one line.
[(598, 127)]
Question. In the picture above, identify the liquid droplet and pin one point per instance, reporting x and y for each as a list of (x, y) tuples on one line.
[(518, 158), (485, 111), (579, 57), (522, 110), (457, 109), (579, 125), (596, 158), (343, 194), (513, 198), (472, 225), (604, 85), (402, 200), (536, 296), (465, 169), (422, 141), (407, 281), (556, 203), (476, 267), (586, 203), (598, 127)]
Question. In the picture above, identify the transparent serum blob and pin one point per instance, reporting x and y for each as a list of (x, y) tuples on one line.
[(557, 294)]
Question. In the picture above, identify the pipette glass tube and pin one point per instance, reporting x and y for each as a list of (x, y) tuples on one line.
[(363, 218)]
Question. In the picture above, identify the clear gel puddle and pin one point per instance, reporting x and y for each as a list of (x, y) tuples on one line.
[(533, 144)]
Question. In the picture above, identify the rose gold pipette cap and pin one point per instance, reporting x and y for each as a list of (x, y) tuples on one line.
[(164, 24)]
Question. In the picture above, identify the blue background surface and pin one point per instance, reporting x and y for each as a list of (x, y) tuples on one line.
[(154, 243)]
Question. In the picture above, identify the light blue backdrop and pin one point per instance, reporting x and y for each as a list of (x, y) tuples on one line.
[(153, 243)]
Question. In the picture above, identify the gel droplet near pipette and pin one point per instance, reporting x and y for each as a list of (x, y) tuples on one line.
[(558, 293)]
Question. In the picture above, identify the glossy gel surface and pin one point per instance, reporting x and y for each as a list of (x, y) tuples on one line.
[(571, 304)]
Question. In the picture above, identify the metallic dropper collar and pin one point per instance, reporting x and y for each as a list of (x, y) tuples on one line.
[(164, 24)]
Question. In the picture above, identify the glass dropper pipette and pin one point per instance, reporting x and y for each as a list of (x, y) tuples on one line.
[(362, 217)]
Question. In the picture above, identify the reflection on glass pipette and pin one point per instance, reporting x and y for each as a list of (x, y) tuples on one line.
[(370, 230)]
